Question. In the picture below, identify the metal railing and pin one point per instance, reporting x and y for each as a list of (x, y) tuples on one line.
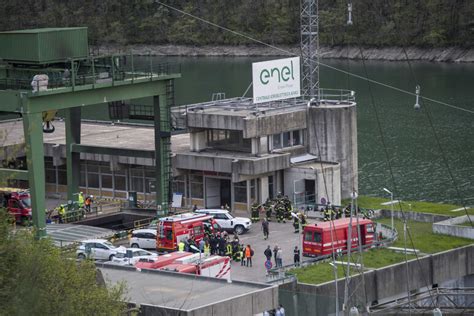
[(97, 70), (336, 95)]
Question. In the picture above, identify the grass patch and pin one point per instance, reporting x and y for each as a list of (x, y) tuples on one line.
[(416, 206), (423, 237), (323, 272)]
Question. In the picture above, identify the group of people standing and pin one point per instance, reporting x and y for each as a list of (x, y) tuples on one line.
[(280, 205), (220, 244), (277, 253)]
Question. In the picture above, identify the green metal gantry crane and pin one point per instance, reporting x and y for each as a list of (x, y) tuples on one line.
[(46, 70)]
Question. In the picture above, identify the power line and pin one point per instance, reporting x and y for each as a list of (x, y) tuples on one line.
[(319, 62)]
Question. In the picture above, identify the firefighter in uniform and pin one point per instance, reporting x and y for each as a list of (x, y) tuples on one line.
[(280, 213), (268, 209), (254, 213), (303, 220), (228, 251), (327, 214), (296, 224), (181, 246)]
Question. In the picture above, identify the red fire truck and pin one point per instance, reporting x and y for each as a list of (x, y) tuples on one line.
[(17, 202), (325, 237), (186, 262), (173, 229)]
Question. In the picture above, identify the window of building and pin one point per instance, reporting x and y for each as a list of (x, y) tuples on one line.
[(120, 183), (297, 138), (228, 140), (253, 190), (196, 184), (270, 187), (178, 185), (50, 171), (240, 192), (287, 139), (136, 179)]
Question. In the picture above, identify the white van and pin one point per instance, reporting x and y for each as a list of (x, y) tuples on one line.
[(227, 221)]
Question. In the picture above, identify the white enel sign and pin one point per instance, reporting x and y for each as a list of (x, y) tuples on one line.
[(276, 79)]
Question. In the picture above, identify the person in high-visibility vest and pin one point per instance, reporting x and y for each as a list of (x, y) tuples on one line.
[(80, 199), (229, 250), (207, 249), (181, 246), (61, 213)]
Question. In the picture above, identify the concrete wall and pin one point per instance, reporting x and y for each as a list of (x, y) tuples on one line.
[(198, 119), (332, 176), (392, 280), (450, 227), (275, 123), (335, 128), (216, 163), (414, 216)]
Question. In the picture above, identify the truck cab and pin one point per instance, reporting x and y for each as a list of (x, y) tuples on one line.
[(17, 202)]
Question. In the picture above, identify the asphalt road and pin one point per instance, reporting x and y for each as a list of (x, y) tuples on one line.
[(280, 234)]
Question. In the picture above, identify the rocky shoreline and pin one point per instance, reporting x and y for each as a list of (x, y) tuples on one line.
[(448, 54)]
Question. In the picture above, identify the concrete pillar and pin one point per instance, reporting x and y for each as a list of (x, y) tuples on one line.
[(33, 129), (332, 136), (73, 160), (263, 190), (255, 146), (249, 201), (264, 145), (198, 141)]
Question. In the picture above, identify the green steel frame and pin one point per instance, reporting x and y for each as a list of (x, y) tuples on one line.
[(32, 105)]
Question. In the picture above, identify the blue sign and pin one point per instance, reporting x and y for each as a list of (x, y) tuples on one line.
[(268, 264)]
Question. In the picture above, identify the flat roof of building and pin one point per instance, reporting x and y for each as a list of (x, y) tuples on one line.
[(104, 134), (245, 107), (178, 290)]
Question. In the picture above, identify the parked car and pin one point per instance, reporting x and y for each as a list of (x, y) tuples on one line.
[(143, 238), (132, 255), (227, 221), (98, 249)]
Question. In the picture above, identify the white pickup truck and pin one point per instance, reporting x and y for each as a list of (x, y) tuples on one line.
[(227, 221)]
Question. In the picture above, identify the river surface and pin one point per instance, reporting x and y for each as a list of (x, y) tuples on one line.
[(419, 160)]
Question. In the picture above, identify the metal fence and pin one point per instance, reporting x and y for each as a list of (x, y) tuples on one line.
[(93, 71)]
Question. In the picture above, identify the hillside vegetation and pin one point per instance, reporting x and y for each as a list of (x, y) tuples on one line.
[(429, 23)]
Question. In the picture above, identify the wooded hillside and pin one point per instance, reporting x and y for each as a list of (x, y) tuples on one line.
[(424, 23)]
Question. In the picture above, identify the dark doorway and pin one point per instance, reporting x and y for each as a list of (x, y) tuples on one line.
[(310, 191), (225, 192)]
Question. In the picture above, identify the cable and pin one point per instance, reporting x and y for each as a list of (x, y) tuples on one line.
[(320, 63), (443, 155), (387, 157)]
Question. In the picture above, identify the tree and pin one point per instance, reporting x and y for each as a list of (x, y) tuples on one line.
[(37, 278)]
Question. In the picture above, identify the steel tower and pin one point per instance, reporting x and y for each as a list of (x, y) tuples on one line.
[(310, 48)]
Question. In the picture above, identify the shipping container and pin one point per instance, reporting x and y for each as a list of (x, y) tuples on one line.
[(44, 46)]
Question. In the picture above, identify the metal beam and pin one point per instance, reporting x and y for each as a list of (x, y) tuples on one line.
[(58, 101), (10, 101), (73, 159), (89, 149), (159, 174), (33, 128), (13, 174)]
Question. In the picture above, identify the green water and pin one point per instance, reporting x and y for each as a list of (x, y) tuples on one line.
[(419, 171)]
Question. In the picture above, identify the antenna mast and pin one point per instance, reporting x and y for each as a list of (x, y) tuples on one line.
[(310, 49)]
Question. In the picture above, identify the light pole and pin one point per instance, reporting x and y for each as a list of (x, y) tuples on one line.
[(391, 203)]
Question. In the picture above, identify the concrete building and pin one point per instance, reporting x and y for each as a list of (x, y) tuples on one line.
[(235, 153)]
